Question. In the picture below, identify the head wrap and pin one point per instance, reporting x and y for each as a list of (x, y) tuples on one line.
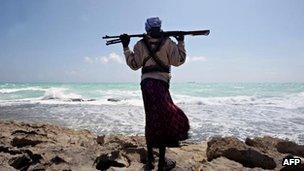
[(153, 22)]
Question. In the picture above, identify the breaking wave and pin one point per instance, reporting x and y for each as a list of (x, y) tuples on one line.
[(129, 96), (15, 90), (59, 94), (291, 101)]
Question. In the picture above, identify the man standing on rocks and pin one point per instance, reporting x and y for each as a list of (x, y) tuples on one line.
[(166, 124)]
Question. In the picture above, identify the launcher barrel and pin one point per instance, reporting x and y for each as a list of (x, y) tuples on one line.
[(116, 39)]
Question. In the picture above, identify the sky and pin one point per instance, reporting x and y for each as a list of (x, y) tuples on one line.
[(61, 41)]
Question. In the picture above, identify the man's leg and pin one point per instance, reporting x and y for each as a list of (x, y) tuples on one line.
[(150, 158), (161, 161), (150, 153)]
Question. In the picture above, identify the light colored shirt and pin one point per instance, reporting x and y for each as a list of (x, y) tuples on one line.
[(169, 53)]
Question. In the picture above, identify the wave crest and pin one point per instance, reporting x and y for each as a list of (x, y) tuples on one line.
[(291, 101), (60, 94), (15, 90)]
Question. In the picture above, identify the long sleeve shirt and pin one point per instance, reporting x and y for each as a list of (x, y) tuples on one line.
[(169, 53)]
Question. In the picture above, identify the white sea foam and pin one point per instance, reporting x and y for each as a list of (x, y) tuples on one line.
[(123, 94), (291, 101), (128, 97), (59, 94), (14, 90)]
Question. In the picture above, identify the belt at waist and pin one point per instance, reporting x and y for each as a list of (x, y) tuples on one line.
[(149, 69)]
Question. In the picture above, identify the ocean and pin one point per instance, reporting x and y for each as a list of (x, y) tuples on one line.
[(214, 109)]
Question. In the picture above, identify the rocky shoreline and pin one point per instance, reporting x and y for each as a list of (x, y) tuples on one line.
[(25, 146)]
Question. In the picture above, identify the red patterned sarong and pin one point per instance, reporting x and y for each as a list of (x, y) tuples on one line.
[(166, 124)]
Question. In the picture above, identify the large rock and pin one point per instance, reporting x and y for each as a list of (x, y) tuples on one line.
[(113, 99), (238, 151), (111, 159), (291, 148), (265, 144), (277, 149)]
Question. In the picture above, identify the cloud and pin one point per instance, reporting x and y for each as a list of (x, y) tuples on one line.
[(72, 72), (88, 60), (111, 58), (197, 59)]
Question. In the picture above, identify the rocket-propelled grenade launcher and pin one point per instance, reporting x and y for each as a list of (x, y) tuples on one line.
[(115, 39)]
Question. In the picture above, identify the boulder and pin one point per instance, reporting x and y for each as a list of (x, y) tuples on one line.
[(112, 159), (113, 99), (238, 151), (291, 148)]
